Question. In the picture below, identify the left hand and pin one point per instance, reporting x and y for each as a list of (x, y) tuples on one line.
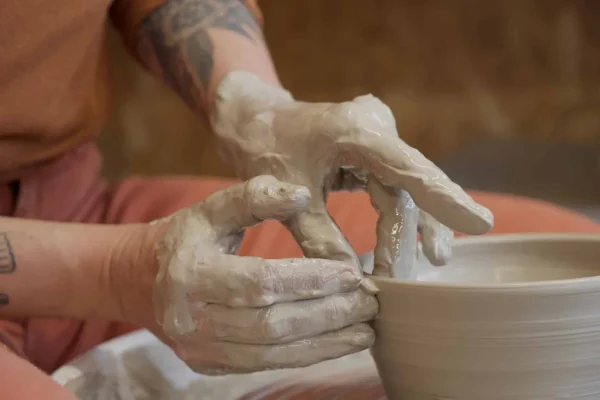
[(340, 146), (222, 313)]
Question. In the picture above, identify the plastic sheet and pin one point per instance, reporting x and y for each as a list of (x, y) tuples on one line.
[(139, 367)]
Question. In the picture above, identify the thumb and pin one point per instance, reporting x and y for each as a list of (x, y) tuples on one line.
[(247, 204)]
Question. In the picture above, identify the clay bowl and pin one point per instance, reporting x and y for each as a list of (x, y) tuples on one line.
[(513, 317)]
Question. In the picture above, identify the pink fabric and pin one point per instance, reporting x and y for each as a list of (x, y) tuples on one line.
[(69, 189)]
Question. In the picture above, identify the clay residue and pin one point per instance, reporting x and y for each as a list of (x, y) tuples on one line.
[(396, 249), (344, 146), (228, 314)]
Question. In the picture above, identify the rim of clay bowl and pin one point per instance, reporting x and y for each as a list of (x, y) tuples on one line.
[(557, 286)]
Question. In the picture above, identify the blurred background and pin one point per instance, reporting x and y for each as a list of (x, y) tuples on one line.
[(503, 97)]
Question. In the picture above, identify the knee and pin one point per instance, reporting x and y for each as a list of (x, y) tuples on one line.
[(22, 380)]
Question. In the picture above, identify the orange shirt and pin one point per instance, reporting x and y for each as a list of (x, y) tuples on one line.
[(54, 83)]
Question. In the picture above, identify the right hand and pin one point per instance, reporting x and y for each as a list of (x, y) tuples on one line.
[(227, 314), (353, 145)]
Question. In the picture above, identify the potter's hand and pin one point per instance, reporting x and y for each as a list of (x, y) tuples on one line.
[(228, 314), (343, 146)]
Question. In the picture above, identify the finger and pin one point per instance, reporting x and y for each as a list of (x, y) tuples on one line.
[(256, 282), (249, 203), (319, 237), (396, 247), (398, 165), (285, 322), (228, 358), (436, 239)]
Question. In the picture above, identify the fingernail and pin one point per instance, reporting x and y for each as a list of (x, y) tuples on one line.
[(368, 286), (345, 277), (363, 335), (352, 270), (487, 214), (301, 195)]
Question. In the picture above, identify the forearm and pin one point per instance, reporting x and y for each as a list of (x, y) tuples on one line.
[(64, 269), (193, 44)]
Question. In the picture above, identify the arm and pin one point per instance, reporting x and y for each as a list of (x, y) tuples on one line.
[(67, 269), (193, 44), (201, 47), (60, 269)]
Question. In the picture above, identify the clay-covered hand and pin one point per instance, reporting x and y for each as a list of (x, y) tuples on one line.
[(340, 146), (223, 313)]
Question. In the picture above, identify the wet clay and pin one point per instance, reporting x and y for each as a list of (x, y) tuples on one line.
[(343, 146), (396, 249), (228, 314), (223, 312)]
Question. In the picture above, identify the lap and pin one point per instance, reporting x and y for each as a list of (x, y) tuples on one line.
[(22, 380)]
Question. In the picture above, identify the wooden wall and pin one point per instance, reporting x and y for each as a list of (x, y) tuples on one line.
[(452, 72)]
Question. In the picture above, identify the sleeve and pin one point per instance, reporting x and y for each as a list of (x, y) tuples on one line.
[(127, 15), (12, 336)]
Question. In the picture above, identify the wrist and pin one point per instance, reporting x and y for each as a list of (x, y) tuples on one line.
[(130, 273), (242, 94)]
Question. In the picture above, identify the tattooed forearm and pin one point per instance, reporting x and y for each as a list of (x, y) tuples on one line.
[(8, 262), (175, 42)]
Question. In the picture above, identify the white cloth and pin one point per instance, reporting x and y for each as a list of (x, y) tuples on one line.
[(140, 367)]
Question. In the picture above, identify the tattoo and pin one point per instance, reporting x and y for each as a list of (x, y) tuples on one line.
[(175, 41), (8, 263), (4, 300)]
